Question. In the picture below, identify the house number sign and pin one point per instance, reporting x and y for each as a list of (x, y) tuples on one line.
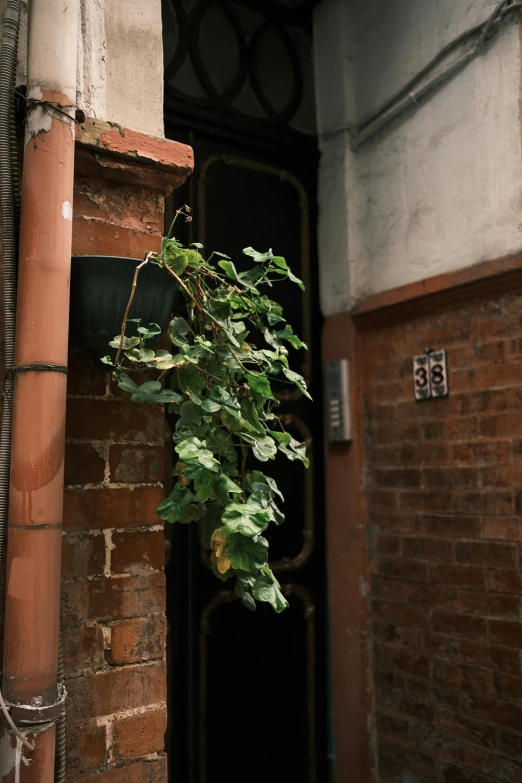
[(430, 375)]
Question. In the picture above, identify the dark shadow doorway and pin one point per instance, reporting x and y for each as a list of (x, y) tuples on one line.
[(247, 692)]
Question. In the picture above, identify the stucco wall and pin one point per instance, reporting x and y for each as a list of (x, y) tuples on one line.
[(440, 188), (120, 62)]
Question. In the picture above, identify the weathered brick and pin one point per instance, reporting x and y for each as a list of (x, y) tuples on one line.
[(505, 424), (400, 568), (115, 690), (468, 678), (471, 730), (151, 771), (112, 599), (136, 464), (401, 613), (506, 633), (83, 555), (139, 639), (502, 528), (446, 649), (498, 711), (105, 508), (85, 376), (427, 548), (471, 577), (140, 735), (490, 605), (493, 656), (459, 624), (502, 581), (510, 743), (85, 744), (489, 763), (486, 553), (388, 545), (114, 239), (117, 420), (83, 650), (396, 758), (83, 464), (137, 549)]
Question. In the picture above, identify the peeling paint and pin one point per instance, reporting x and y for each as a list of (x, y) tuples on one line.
[(7, 754), (67, 211), (38, 120)]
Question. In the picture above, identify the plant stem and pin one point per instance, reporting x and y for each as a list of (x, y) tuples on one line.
[(131, 297), (244, 455)]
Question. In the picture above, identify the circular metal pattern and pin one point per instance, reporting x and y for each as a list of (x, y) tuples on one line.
[(175, 64), (196, 21), (248, 75), (296, 86)]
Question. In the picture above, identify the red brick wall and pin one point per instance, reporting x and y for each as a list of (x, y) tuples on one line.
[(443, 487), (113, 623), (113, 596)]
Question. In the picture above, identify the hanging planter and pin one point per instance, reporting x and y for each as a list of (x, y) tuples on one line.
[(100, 287)]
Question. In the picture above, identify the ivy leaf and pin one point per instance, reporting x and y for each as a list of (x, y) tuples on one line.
[(107, 360), (264, 449), (128, 342), (298, 380), (248, 518), (260, 385), (295, 279), (178, 331), (190, 413), (291, 448), (246, 597), (266, 588), (148, 332), (259, 258), (250, 417), (220, 399), (231, 271), (257, 477), (127, 384), (151, 391), (192, 450), (223, 486), (178, 506), (246, 554)]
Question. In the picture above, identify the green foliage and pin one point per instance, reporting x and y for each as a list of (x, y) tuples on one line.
[(220, 387)]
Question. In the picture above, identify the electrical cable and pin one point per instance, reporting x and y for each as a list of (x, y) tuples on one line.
[(12, 725), (409, 94)]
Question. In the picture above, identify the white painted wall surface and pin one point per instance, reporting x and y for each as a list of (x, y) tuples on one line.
[(440, 188), (120, 61), (134, 59)]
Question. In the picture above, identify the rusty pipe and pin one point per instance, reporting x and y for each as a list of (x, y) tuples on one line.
[(38, 437)]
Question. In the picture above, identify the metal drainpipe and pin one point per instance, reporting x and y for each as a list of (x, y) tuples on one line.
[(36, 490)]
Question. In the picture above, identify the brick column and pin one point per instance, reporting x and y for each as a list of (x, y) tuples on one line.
[(113, 596)]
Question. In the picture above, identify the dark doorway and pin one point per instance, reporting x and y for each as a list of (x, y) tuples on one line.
[(247, 692)]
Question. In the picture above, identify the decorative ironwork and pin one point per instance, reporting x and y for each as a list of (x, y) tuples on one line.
[(228, 597), (302, 557), (256, 31), (285, 176)]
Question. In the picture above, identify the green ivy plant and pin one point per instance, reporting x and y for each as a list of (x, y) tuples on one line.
[(219, 385)]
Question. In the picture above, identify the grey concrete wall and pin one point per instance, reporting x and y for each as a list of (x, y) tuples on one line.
[(120, 62), (440, 188)]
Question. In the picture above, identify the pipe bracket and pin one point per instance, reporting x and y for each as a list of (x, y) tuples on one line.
[(36, 713), (41, 367)]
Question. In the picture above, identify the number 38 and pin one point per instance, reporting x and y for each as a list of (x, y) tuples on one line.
[(437, 376)]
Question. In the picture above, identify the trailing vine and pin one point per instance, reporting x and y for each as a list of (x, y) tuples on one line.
[(219, 385)]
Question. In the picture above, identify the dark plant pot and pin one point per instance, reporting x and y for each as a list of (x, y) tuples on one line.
[(100, 290)]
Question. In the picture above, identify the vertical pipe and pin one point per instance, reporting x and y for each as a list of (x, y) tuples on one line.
[(37, 454), (9, 199)]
